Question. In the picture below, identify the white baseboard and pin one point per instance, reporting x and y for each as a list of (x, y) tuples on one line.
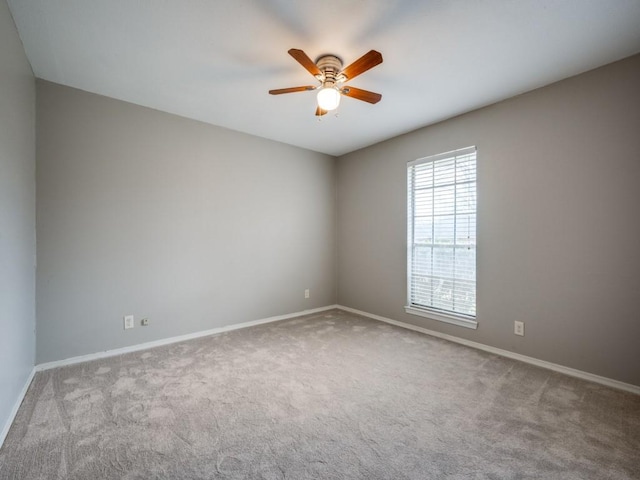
[(504, 353), (16, 407), (180, 338)]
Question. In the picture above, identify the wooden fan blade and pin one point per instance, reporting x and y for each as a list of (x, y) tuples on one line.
[(364, 63), (359, 94), (280, 91), (305, 61), (320, 112)]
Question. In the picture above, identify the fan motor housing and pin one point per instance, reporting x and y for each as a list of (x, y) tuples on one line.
[(330, 65)]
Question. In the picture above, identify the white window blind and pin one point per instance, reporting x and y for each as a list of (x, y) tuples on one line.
[(442, 236)]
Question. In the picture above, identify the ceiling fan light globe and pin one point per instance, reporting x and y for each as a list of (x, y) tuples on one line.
[(328, 98)]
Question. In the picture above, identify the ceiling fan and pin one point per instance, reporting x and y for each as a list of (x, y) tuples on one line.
[(329, 72)]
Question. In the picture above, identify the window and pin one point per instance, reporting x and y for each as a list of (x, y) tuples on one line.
[(441, 245)]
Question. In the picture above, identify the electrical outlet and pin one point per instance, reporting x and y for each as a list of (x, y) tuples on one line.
[(518, 328), (306, 293), (128, 322), (144, 322)]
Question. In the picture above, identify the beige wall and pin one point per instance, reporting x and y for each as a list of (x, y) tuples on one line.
[(193, 226), (558, 213), (17, 217)]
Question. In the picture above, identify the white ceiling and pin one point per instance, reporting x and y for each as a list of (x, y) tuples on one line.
[(215, 60)]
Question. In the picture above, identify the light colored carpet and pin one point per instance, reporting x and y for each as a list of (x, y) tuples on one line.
[(328, 396)]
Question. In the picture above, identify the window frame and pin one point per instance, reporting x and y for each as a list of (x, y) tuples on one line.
[(455, 318)]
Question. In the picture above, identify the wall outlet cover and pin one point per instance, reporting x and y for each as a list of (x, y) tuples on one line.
[(518, 328), (128, 322)]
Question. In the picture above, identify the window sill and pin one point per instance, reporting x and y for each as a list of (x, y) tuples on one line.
[(442, 317)]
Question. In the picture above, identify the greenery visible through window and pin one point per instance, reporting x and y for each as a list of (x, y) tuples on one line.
[(442, 233)]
